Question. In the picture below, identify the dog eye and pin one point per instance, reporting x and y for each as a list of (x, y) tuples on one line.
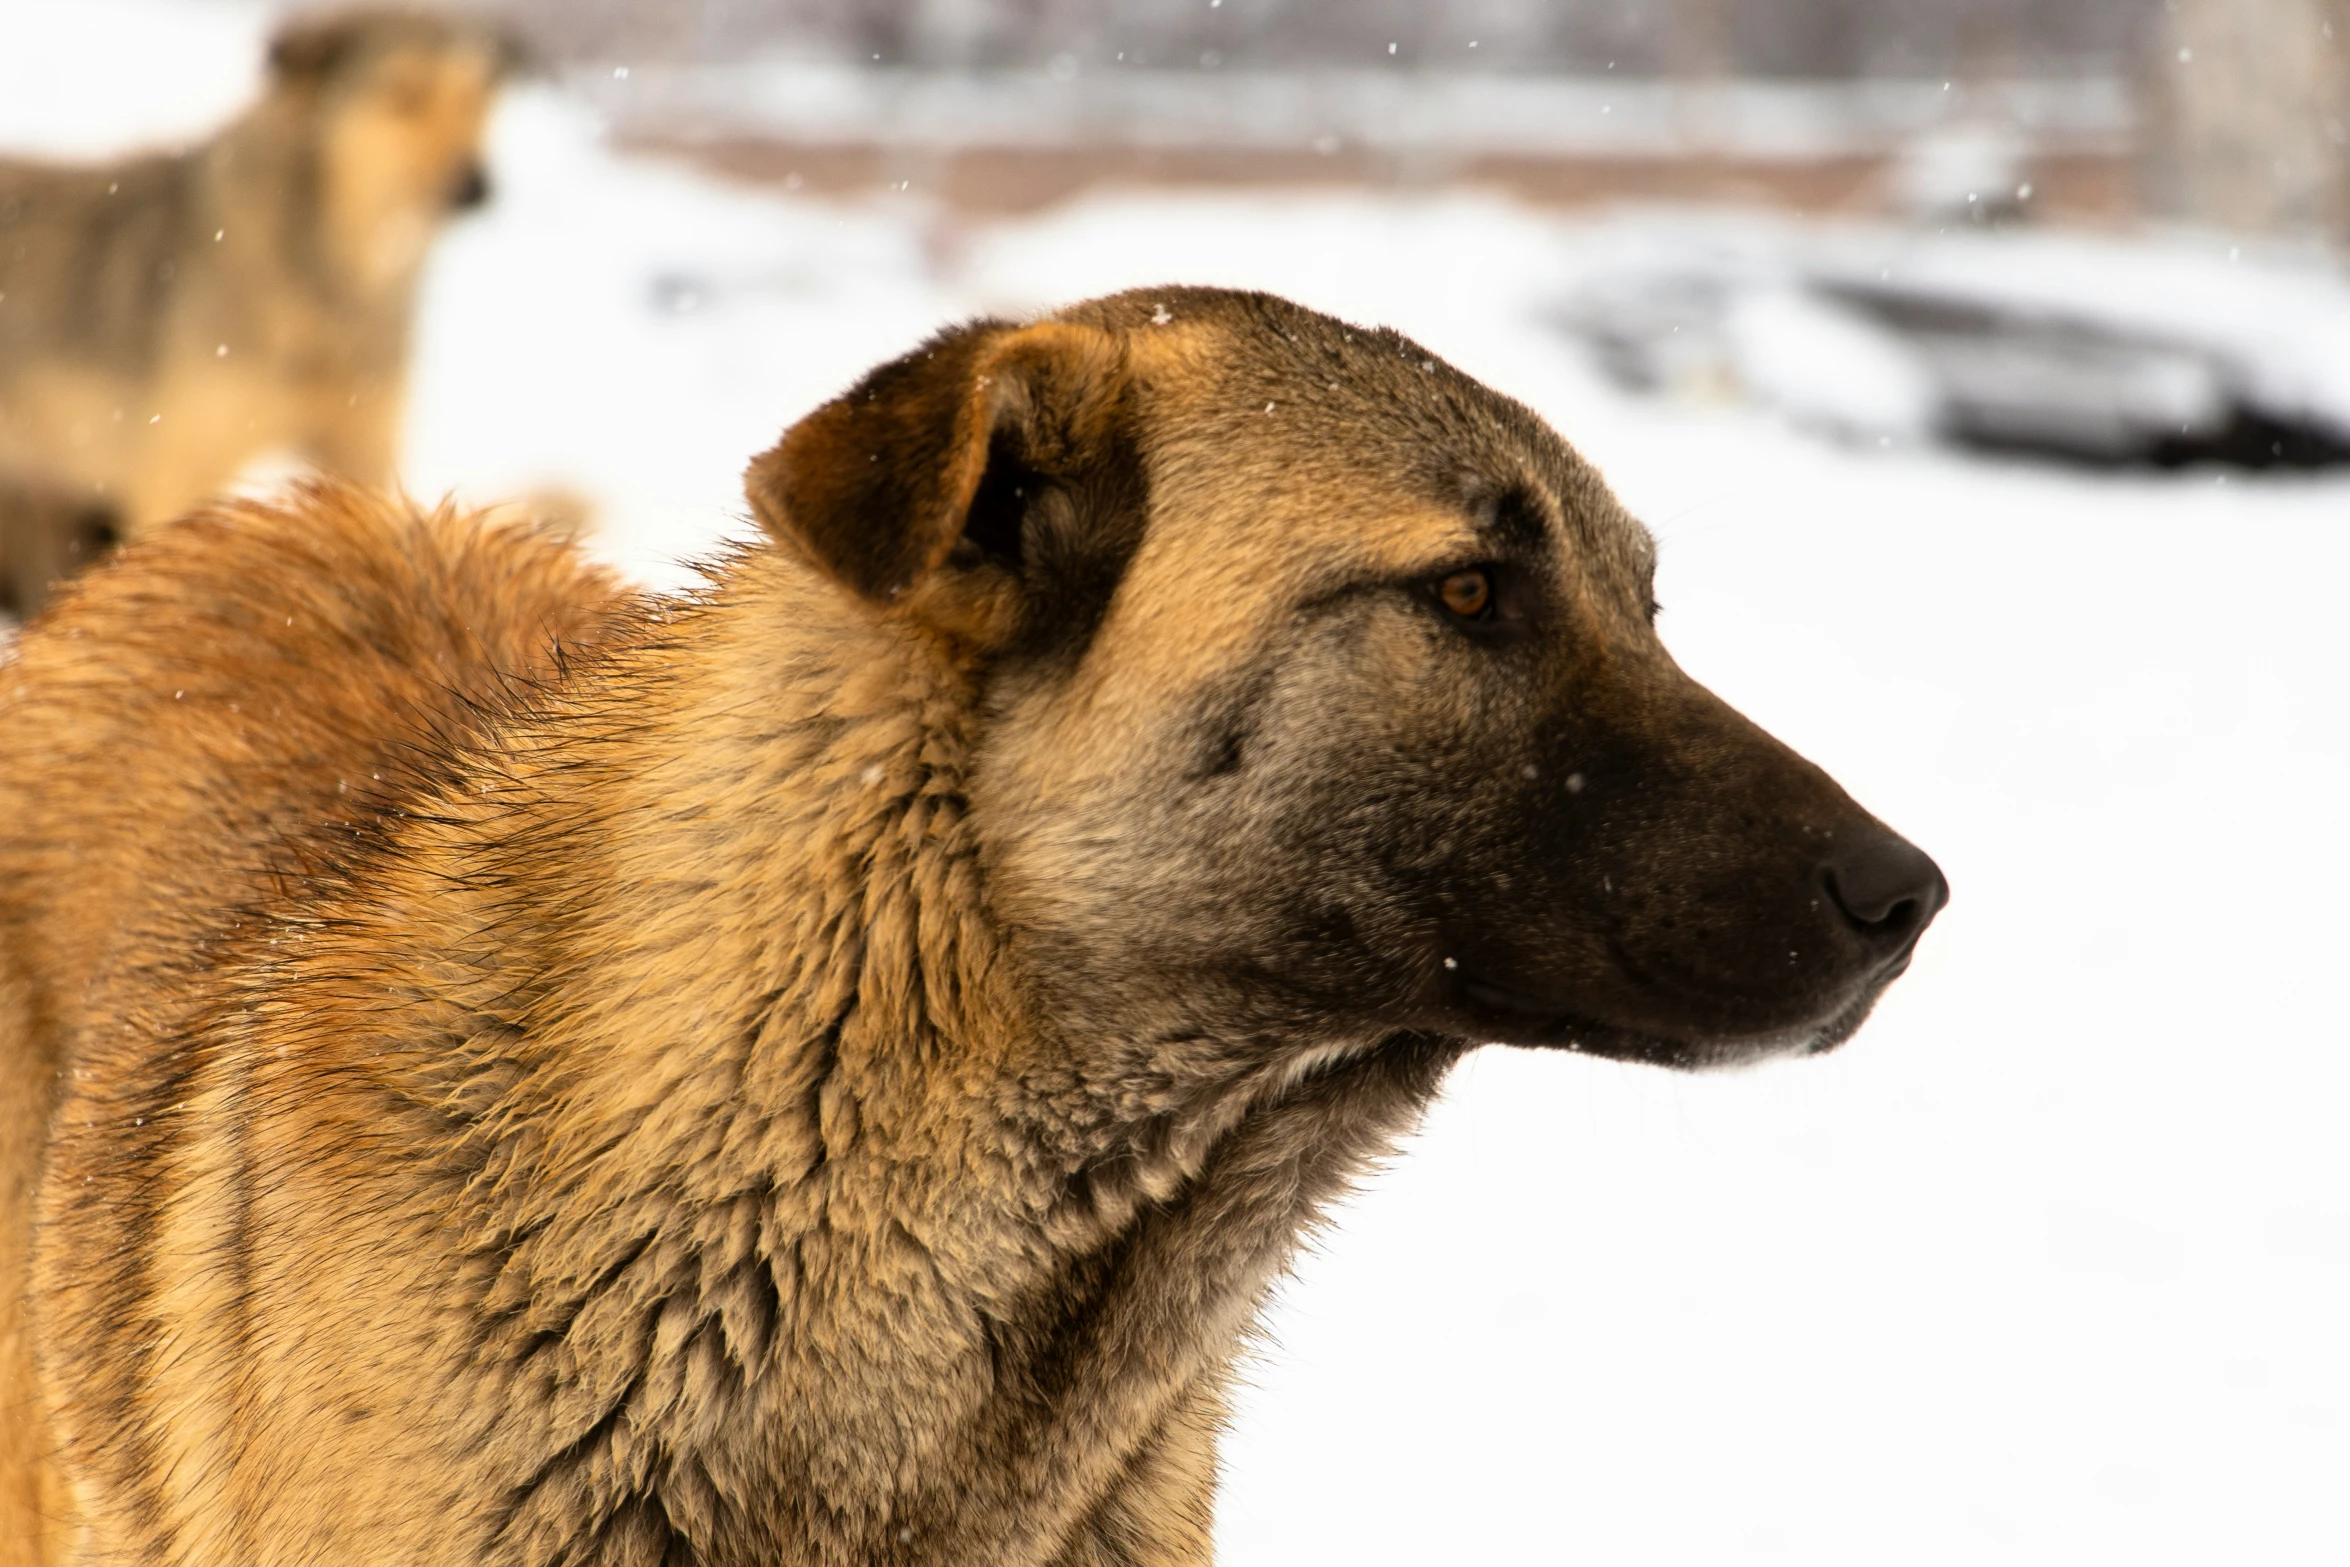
[(1467, 594)]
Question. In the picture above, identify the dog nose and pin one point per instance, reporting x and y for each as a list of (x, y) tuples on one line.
[(1885, 886), (471, 190)]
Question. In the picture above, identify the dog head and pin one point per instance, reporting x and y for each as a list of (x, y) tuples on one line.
[(1322, 695), (394, 103)]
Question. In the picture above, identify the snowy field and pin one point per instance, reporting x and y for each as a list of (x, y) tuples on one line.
[(2052, 1264)]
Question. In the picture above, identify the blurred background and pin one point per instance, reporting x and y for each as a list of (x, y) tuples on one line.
[(1984, 368)]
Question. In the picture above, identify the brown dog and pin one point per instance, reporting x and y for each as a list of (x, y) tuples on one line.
[(829, 1075), (167, 319)]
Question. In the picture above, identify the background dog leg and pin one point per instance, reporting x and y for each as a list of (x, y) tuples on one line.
[(45, 538), (356, 433)]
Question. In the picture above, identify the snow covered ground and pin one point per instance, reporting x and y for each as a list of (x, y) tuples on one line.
[(2052, 1264)]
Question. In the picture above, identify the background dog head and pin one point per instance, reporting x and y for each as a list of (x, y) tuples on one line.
[(1323, 694), (393, 102)]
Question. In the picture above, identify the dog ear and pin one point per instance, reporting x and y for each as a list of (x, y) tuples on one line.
[(946, 453), (513, 55), (309, 49)]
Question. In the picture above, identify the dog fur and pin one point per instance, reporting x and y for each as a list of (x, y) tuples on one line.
[(380, 632), (166, 319), (827, 1071)]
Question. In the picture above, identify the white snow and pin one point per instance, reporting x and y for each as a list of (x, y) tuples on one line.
[(2052, 1264), (638, 335), (1963, 170), (96, 78), (1823, 363)]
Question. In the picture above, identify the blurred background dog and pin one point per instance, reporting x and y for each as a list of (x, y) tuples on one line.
[(166, 319)]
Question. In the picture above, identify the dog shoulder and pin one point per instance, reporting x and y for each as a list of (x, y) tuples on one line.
[(234, 694)]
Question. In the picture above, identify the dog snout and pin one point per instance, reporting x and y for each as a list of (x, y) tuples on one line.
[(471, 189), (1887, 889)]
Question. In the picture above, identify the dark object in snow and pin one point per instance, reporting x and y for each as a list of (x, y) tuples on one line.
[(45, 537), (2254, 440), (2042, 383), (2010, 364)]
